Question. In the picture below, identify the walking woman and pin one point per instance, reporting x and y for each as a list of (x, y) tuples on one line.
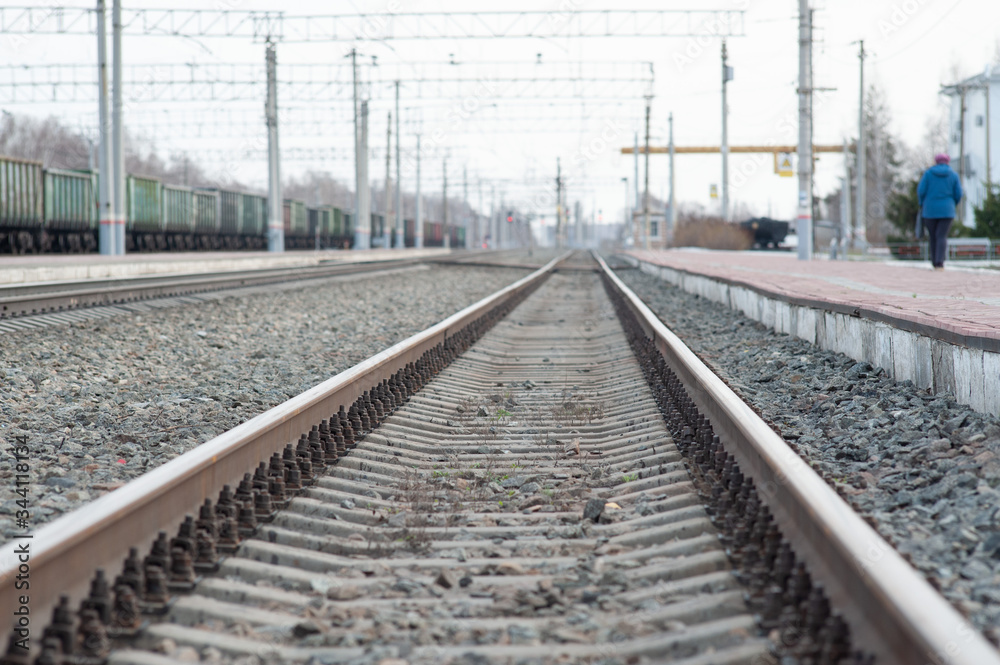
[(939, 192)]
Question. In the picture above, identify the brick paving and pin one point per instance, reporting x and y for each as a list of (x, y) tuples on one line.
[(957, 301)]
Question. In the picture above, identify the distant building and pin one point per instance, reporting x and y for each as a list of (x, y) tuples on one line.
[(659, 235), (973, 147)]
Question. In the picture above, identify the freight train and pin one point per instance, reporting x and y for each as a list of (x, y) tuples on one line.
[(56, 210)]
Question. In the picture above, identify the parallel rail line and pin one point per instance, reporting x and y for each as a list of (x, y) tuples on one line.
[(549, 475), (47, 297)]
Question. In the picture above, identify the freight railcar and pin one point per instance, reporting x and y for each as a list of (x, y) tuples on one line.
[(296, 221), (22, 212), (254, 230), (343, 230), (144, 230), (71, 210), (58, 210)]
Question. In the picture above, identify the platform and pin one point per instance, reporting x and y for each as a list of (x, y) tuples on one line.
[(66, 267), (939, 329)]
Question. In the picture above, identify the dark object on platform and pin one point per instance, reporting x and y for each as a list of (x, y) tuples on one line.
[(767, 232)]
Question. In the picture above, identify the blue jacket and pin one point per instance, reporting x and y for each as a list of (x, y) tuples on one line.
[(938, 192)]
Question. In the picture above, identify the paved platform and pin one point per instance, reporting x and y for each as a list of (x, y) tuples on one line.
[(939, 329), (69, 267)]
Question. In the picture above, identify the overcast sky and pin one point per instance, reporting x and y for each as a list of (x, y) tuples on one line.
[(511, 144)]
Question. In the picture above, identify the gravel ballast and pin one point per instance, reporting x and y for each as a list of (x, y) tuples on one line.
[(924, 467), (101, 402)]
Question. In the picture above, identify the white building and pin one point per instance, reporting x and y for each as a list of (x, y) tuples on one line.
[(972, 137)]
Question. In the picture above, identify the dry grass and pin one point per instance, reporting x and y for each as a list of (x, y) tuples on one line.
[(711, 233)]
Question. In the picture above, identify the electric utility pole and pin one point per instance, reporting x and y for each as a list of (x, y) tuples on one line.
[(672, 218), (444, 204), (275, 204), (116, 119), (400, 222), (106, 232), (494, 225), (636, 180), (387, 221), (418, 222), (361, 230), (559, 206), (465, 207), (727, 75), (645, 198), (960, 209), (804, 222), (861, 154)]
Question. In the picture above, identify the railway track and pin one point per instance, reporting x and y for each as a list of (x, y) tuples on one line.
[(26, 306), (48, 297), (548, 476)]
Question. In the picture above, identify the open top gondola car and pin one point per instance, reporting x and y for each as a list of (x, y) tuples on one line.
[(71, 208), (22, 214)]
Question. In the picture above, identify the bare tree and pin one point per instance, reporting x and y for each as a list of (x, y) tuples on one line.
[(45, 140)]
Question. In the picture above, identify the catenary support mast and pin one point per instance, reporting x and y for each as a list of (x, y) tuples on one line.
[(275, 203), (804, 221)]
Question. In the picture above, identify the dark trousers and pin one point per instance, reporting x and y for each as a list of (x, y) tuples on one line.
[(937, 238)]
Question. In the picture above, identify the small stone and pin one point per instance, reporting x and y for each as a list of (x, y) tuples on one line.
[(534, 502), (530, 488), (211, 655), (398, 520), (343, 593), (446, 579), (347, 503), (523, 634), (975, 570), (304, 628), (165, 646), (513, 482), (465, 581), (592, 511), (186, 655), (510, 568), (60, 481)]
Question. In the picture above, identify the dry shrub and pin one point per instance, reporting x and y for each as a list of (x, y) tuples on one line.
[(711, 233)]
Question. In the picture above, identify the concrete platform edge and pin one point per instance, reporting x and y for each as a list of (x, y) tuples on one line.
[(96, 267), (930, 358)]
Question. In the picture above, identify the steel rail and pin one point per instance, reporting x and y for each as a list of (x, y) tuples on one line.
[(42, 298), (891, 609), (65, 553)]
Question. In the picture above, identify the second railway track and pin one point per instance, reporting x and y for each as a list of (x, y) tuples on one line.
[(47, 298), (572, 487)]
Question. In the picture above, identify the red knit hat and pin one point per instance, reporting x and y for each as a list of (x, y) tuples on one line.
[(941, 158)]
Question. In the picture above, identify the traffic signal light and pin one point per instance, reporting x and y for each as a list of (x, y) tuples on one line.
[(510, 216)]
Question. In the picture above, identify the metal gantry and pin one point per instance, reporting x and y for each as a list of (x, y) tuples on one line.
[(228, 83), (383, 25), (447, 83)]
